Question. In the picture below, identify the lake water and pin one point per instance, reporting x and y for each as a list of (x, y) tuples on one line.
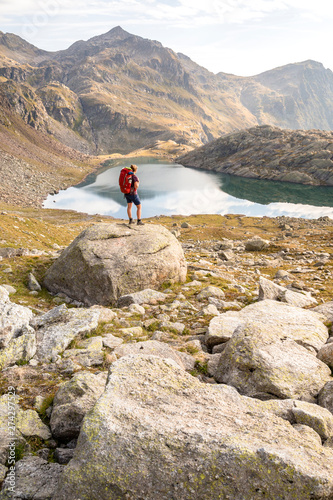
[(171, 189)]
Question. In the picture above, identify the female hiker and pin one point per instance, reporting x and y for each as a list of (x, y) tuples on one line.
[(133, 197)]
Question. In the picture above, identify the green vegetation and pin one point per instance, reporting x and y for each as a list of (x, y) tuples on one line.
[(35, 444), (47, 402), (200, 369), (21, 362), (20, 450)]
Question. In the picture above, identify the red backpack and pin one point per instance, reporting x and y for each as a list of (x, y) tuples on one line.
[(125, 180)]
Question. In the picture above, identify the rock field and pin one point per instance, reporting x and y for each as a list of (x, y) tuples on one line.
[(217, 387)]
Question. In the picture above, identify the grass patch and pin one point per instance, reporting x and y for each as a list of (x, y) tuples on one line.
[(22, 362), (216, 281), (102, 329), (35, 443), (200, 369), (166, 285), (190, 349), (153, 327), (20, 450), (18, 278), (47, 402)]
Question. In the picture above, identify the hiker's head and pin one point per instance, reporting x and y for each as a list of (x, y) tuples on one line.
[(134, 168)]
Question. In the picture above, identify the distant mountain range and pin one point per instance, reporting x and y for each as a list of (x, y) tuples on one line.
[(118, 92)]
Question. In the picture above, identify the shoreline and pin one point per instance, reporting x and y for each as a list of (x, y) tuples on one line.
[(233, 195)]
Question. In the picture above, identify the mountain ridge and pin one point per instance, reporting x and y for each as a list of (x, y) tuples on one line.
[(118, 92), (9, 39), (19, 49)]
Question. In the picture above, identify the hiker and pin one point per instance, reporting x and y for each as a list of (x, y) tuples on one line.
[(132, 197)]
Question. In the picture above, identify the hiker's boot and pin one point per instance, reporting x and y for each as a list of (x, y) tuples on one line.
[(140, 223), (131, 221)]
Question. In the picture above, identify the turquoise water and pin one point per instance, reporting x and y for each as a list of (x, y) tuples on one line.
[(171, 189)]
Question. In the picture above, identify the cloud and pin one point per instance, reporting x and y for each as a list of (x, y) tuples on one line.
[(184, 12), (297, 210), (83, 201), (237, 36), (177, 12)]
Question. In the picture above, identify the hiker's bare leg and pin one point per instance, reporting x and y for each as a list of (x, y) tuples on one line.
[(129, 210), (138, 211)]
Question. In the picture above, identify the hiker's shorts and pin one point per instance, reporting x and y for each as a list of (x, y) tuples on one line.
[(133, 198)]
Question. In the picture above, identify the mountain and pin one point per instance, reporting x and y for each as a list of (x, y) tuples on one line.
[(32, 163), (300, 96), (17, 49), (266, 152), (118, 92)]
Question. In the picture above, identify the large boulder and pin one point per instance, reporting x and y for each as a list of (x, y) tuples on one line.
[(107, 261), (272, 291), (9, 432), (325, 354), (271, 350), (326, 309), (222, 327), (256, 244), (303, 326), (211, 291), (318, 419), (264, 361), (325, 397), (159, 433), (29, 424), (22, 348), (90, 352)]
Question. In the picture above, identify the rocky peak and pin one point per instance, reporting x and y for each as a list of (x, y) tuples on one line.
[(117, 33), (292, 75), (18, 49), (108, 45)]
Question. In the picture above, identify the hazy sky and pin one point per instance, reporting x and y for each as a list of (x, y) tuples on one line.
[(244, 37)]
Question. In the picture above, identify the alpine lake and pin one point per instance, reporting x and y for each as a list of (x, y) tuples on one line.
[(170, 189)]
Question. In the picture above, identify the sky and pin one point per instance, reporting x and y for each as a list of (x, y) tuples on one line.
[(243, 37)]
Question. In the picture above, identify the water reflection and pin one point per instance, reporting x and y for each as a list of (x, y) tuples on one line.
[(266, 192), (168, 188)]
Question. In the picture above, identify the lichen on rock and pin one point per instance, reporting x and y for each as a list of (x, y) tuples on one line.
[(157, 432)]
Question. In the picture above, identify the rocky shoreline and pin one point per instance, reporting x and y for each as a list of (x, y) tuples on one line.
[(266, 152)]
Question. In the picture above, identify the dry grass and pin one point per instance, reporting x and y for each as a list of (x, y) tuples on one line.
[(42, 229), (46, 230)]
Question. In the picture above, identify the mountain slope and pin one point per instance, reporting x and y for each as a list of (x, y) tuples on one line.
[(19, 50), (135, 91), (297, 96), (32, 163), (118, 92)]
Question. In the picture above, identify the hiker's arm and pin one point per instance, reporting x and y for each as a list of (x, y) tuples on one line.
[(136, 184)]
